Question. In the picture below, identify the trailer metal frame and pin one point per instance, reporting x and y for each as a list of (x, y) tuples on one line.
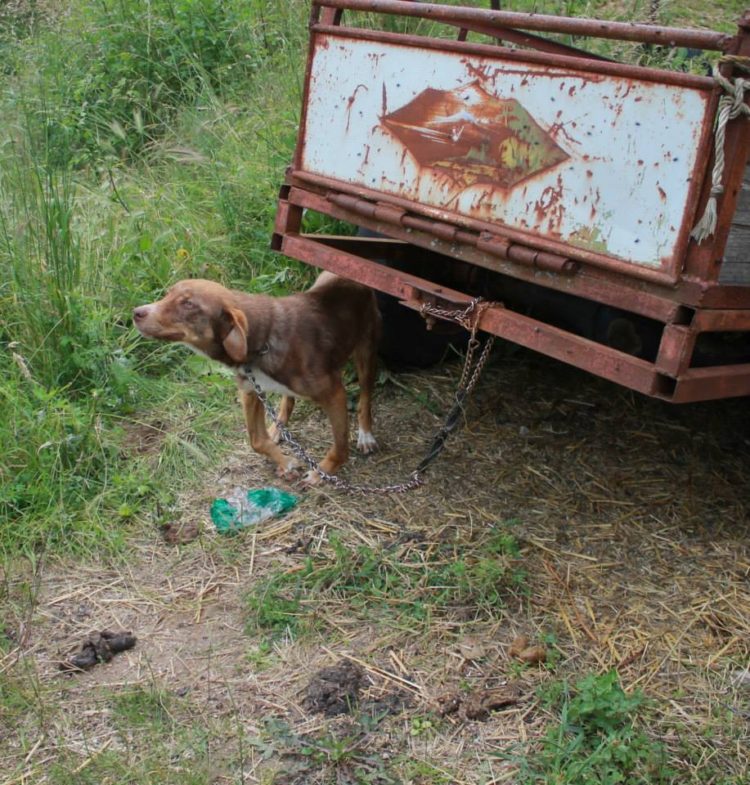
[(682, 293)]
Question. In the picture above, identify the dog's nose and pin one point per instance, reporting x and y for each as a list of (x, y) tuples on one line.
[(140, 313)]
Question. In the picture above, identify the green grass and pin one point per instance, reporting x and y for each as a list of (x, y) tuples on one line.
[(595, 740), (18, 698), (142, 709), (147, 149), (374, 584)]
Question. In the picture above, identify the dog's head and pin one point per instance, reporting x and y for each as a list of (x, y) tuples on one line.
[(202, 314)]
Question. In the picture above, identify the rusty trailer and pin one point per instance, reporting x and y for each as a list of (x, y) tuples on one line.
[(603, 207)]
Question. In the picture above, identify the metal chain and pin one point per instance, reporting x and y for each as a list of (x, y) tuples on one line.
[(468, 318)]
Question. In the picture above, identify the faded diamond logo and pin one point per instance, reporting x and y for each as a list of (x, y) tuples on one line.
[(473, 137)]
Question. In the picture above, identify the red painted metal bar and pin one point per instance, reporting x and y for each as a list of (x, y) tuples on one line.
[(705, 384), (500, 34), (572, 349), (591, 283), (327, 15), (527, 39), (623, 293), (634, 271), (288, 218), (716, 296), (675, 350), (492, 244), (722, 321), (595, 28), (607, 67)]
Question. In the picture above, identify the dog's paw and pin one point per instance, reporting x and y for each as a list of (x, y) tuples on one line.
[(289, 471), (366, 442), (311, 479)]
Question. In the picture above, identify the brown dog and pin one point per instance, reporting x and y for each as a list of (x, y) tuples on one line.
[(295, 345)]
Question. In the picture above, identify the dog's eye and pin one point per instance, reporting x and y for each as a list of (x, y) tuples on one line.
[(189, 304)]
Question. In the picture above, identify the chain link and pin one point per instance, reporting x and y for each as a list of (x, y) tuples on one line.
[(468, 318)]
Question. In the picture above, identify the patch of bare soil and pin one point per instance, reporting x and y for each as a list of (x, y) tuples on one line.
[(145, 437), (632, 521)]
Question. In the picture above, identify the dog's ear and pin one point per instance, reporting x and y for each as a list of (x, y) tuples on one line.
[(235, 341)]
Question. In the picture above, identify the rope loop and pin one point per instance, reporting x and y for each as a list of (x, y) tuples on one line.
[(731, 106)]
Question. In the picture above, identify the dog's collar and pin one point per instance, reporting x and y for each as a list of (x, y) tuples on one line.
[(253, 356)]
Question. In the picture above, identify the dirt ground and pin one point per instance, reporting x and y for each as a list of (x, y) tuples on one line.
[(632, 521)]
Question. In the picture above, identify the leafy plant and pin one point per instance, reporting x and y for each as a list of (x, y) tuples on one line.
[(596, 740)]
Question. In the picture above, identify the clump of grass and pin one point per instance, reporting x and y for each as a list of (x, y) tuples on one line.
[(156, 742), (18, 698), (183, 766), (595, 740), (373, 582), (143, 707)]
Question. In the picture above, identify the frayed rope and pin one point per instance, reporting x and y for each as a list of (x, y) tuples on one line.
[(731, 105)]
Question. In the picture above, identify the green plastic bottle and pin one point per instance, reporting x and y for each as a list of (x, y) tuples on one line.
[(248, 508)]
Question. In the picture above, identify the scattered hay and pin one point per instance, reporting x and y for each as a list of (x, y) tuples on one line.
[(631, 519)]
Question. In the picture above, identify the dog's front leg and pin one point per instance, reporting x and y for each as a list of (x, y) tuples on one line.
[(260, 441), (334, 405), (285, 412)]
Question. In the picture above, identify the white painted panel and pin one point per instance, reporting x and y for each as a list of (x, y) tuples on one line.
[(598, 162)]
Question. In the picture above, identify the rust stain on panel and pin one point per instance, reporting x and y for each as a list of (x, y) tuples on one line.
[(549, 207), (472, 137), (350, 103)]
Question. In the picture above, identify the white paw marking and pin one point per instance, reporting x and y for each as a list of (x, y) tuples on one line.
[(311, 478), (366, 442)]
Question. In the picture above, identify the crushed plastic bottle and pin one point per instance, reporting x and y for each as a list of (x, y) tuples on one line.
[(242, 509)]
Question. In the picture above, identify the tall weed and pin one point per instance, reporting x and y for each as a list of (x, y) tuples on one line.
[(84, 236), (120, 72)]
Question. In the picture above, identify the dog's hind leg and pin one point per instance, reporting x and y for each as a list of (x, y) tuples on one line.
[(365, 360), (260, 441), (285, 412)]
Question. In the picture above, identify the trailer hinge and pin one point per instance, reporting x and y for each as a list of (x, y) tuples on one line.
[(487, 242)]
